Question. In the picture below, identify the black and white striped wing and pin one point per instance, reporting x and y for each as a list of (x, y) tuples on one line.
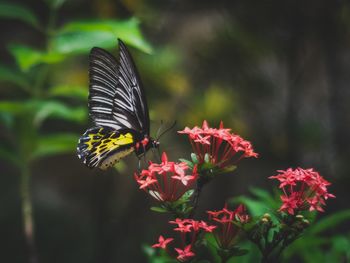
[(116, 98), (103, 87), (130, 101)]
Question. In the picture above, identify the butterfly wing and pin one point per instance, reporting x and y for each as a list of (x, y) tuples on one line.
[(103, 147), (130, 101), (117, 106), (103, 88), (116, 97)]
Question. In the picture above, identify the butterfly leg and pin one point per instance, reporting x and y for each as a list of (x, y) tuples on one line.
[(159, 155), (144, 155), (139, 166)]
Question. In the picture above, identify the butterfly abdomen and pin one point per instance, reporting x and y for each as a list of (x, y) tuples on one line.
[(102, 147)]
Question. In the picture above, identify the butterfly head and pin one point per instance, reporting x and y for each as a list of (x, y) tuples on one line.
[(146, 144), (155, 144)]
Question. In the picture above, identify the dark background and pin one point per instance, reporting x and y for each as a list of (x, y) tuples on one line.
[(276, 72)]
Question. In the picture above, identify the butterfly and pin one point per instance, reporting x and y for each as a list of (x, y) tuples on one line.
[(118, 108)]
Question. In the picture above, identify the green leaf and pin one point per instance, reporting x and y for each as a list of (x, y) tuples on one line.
[(156, 255), (159, 209), (56, 109), (12, 107), (16, 11), (256, 208), (227, 169), (264, 196), (233, 252), (187, 195), (194, 158), (43, 110), (212, 247), (82, 41), (148, 250), (69, 91), (187, 210), (55, 144), (27, 57), (80, 37), (13, 76), (306, 244), (330, 221), (341, 243), (189, 163), (183, 199)]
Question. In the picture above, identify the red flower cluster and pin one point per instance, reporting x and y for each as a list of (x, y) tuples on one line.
[(227, 231), (304, 189), (166, 182), (189, 230), (220, 144)]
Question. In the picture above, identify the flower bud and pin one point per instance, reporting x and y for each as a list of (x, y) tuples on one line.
[(267, 216), (264, 220)]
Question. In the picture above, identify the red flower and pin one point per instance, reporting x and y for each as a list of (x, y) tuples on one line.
[(189, 230), (184, 254), (162, 242), (221, 145), (304, 189), (289, 203), (186, 179), (168, 181), (190, 225), (227, 231)]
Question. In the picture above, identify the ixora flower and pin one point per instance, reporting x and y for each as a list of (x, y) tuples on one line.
[(227, 232), (304, 189), (167, 181), (162, 242), (184, 254), (189, 230), (220, 145)]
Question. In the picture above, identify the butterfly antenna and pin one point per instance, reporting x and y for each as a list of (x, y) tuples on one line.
[(159, 129), (168, 129), (139, 166), (144, 155)]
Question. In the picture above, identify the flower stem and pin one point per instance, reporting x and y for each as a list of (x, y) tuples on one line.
[(196, 195), (27, 215)]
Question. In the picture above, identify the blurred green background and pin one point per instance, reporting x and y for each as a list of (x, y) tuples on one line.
[(276, 72)]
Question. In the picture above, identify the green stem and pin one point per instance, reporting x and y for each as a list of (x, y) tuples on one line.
[(27, 215), (197, 193), (43, 74)]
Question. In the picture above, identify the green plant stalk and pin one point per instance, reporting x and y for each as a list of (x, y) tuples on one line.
[(26, 201), (271, 251), (197, 193), (27, 214), (270, 247)]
